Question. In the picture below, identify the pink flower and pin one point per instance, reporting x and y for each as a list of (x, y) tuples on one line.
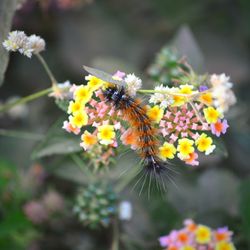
[(36, 212), (164, 241), (69, 128), (119, 74), (220, 127)]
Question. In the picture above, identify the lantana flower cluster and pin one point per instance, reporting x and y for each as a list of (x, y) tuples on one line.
[(197, 237), (26, 45), (186, 116), (189, 115)]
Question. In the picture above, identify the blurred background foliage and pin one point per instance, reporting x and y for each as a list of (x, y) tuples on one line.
[(126, 35)]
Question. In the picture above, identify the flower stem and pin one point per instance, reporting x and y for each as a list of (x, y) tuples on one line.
[(150, 91), (82, 166), (6, 107), (47, 69), (196, 111), (115, 241)]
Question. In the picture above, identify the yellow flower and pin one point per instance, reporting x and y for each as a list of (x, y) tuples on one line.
[(186, 89), (203, 142), (168, 150), (94, 83), (155, 113), (185, 147), (79, 119), (88, 140), (206, 98), (223, 245), (211, 114), (75, 107), (106, 134), (178, 100), (203, 234), (83, 94), (187, 248)]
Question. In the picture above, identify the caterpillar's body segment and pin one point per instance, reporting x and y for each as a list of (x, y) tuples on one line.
[(135, 114)]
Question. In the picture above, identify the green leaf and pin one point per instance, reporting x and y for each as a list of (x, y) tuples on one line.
[(245, 207), (57, 142), (220, 147), (67, 169), (13, 221), (186, 44), (7, 10)]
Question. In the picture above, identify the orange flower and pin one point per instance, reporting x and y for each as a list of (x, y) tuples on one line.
[(206, 98), (172, 248), (222, 236), (88, 140), (129, 138), (183, 237)]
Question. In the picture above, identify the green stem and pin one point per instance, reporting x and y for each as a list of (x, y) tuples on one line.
[(149, 91), (21, 135), (78, 161), (25, 99), (115, 241), (47, 69), (196, 111)]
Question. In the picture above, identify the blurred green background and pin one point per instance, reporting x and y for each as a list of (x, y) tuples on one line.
[(124, 35)]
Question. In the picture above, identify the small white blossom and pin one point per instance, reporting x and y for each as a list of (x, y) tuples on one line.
[(26, 45), (125, 210), (36, 43), (133, 84), (223, 96), (210, 150), (182, 157), (16, 40), (164, 99)]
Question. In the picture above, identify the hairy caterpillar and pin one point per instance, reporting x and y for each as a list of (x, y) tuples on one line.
[(136, 116)]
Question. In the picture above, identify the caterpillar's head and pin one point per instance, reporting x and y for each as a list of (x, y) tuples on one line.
[(113, 93)]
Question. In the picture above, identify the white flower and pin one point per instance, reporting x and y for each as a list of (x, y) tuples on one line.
[(182, 157), (133, 84), (16, 40), (36, 43), (223, 96), (125, 210), (217, 80), (164, 99), (25, 50), (210, 150)]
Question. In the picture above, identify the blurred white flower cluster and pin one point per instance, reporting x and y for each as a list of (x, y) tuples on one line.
[(134, 83), (223, 96), (164, 99), (26, 45)]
